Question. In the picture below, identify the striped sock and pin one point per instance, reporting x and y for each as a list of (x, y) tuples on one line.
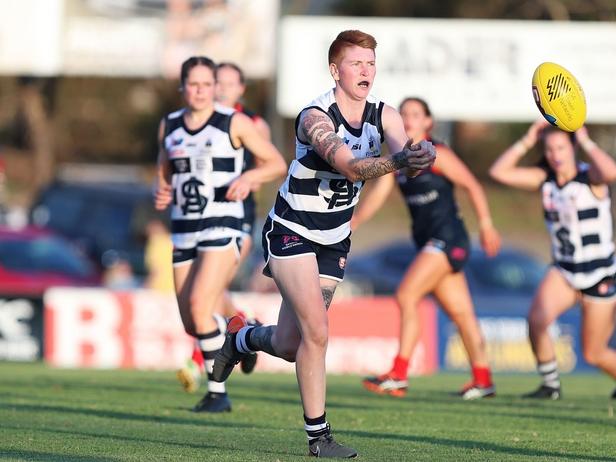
[(549, 373), (210, 343), (315, 427), (241, 340)]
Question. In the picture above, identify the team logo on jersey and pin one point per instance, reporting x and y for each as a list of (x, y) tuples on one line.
[(194, 202), (342, 262), (344, 193), (371, 143), (345, 140)]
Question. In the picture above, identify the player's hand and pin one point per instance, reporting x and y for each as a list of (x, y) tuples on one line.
[(419, 156), (581, 135), (490, 240), (533, 132), (163, 196), (239, 189)]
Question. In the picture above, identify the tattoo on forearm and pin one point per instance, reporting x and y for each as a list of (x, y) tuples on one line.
[(322, 138), (328, 295), (375, 167), (261, 338)]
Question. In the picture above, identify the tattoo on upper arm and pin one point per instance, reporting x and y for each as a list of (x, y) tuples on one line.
[(328, 295), (319, 133)]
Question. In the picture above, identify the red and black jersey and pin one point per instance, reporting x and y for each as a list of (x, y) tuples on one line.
[(430, 200)]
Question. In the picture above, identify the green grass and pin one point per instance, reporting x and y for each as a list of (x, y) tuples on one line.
[(77, 415)]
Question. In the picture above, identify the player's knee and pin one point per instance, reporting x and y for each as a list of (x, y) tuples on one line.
[(592, 355), (407, 303), (537, 320), (316, 337)]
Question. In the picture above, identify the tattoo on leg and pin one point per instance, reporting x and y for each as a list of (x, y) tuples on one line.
[(261, 339), (328, 295)]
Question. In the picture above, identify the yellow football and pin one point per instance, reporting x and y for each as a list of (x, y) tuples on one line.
[(559, 96)]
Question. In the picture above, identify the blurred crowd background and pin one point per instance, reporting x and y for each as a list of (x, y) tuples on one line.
[(84, 84)]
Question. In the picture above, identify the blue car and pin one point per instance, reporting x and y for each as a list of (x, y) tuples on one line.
[(505, 283)]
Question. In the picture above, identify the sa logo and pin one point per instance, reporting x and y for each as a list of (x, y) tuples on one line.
[(194, 202)]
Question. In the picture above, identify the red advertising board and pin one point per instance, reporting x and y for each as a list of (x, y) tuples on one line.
[(142, 329)]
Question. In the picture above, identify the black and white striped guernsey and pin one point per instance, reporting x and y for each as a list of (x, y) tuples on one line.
[(316, 201), (580, 227), (204, 163)]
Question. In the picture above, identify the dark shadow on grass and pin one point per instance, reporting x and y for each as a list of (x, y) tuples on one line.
[(181, 444), (199, 419), (464, 444), (48, 456), (528, 415)]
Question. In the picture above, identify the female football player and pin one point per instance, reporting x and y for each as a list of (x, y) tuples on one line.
[(577, 211), (307, 235), (200, 175), (443, 247)]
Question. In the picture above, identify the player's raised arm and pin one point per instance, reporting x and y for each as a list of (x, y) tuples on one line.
[(602, 165), (505, 168), (316, 128), (459, 174)]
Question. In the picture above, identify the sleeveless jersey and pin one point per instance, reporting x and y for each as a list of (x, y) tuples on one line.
[(316, 201), (430, 200), (203, 163), (580, 228)]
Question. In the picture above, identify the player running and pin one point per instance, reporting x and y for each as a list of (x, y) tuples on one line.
[(577, 211), (229, 90), (441, 237), (200, 175), (306, 236)]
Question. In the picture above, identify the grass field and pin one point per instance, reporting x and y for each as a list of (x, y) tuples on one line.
[(76, 415)]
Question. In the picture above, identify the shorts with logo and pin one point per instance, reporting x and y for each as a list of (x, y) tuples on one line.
[(183, 256), (451, 240), (280, 242), (604, 290)]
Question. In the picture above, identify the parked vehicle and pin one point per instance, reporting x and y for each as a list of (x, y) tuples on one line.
[(505, 283), (107, 220), (31, 260)]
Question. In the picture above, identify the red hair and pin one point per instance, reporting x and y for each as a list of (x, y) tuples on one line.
[(346, 39)]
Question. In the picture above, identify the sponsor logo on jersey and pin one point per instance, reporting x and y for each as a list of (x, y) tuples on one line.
[(424, 198), (176, 141), (356, 147), (181, 165)]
